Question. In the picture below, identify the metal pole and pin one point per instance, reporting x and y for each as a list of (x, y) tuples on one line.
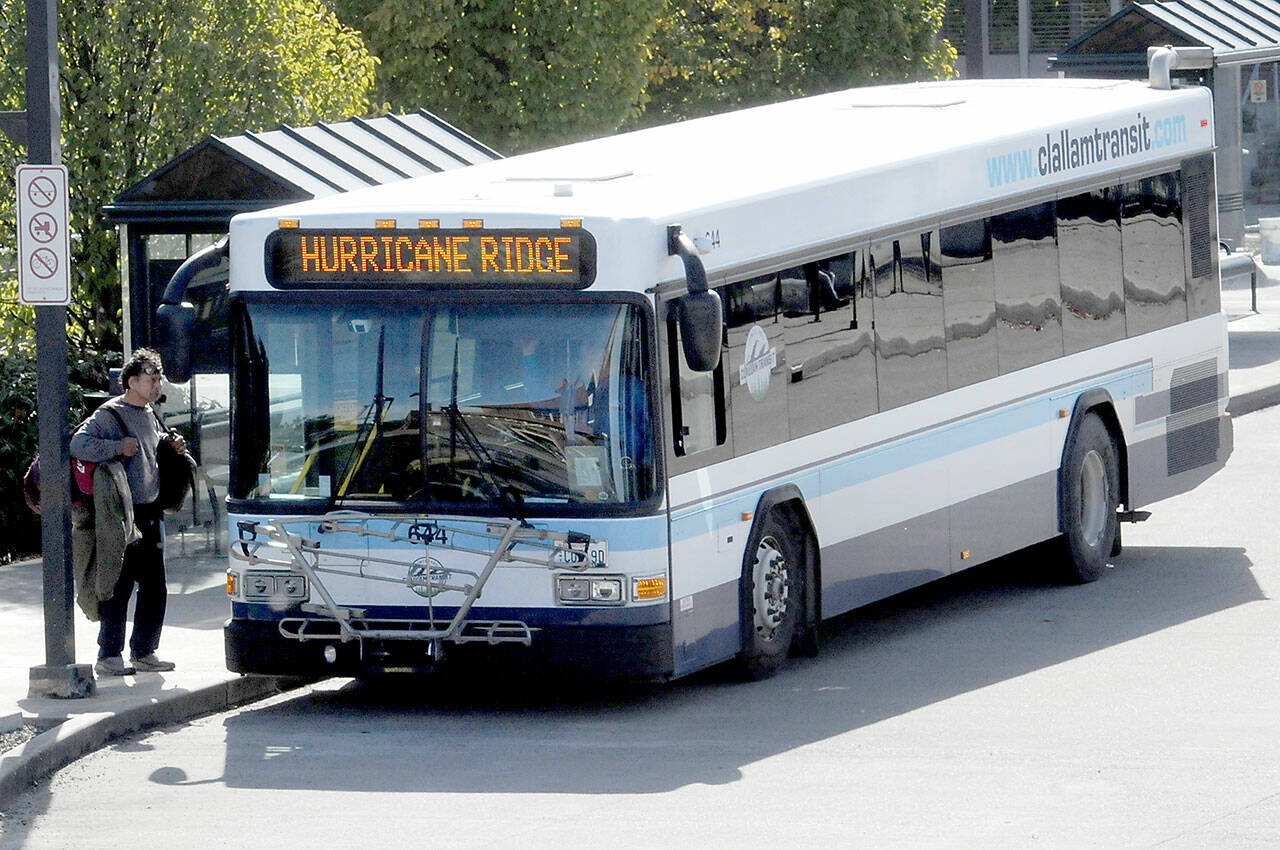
[(975, 39), (60, 676)]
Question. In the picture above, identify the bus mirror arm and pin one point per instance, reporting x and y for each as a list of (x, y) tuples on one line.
[(176, 317), (698, 312)]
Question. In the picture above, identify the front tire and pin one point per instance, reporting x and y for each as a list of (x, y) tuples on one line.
[(772, 594), (1089, 498)]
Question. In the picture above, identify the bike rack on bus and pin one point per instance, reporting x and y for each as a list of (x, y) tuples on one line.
[(273, 544)]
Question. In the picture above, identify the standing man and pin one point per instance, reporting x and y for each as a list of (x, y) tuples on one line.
[(99, 439)]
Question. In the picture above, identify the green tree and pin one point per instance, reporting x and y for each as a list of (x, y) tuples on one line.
[(142, 80), (710, 56), (842, 43), (517, 74)]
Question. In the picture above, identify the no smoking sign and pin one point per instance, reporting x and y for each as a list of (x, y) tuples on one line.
[(44, 246)]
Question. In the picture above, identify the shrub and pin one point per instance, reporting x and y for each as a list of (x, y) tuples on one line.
[(19, 438)]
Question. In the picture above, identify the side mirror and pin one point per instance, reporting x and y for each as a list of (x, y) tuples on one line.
[(174, 324), (701, 325), (701, 329)]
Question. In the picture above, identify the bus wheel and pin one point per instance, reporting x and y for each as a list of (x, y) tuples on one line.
[(1089, 500), (773, 587)]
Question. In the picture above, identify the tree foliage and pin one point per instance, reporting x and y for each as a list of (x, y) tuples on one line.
[(516, 74), (710, 56), (142, 80)]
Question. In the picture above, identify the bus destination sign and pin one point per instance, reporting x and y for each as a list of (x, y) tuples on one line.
[(430, 258)]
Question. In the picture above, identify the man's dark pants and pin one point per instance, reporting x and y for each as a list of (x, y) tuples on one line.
[(144, 566)]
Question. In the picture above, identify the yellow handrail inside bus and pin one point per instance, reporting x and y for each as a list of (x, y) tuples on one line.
[(355, 467), (302, 476)]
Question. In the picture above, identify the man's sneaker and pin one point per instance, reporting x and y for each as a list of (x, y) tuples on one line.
[(112, 665), (151, 664)]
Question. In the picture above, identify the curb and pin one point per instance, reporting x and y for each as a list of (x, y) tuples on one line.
[(82, 734)]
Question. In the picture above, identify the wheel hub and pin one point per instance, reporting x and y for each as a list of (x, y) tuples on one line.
[(1093, 498), (771, 588)]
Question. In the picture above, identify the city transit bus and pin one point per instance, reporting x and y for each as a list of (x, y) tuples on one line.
[(655, 402)]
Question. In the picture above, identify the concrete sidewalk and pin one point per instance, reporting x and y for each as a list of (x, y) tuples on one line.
[(198, 606), (192, 638)]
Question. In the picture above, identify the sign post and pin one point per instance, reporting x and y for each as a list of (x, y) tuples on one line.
[(45, 275)]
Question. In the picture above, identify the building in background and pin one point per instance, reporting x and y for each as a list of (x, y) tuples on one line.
[(1015, 38)]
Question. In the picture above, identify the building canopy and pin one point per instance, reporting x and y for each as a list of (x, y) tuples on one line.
[(189, 201), (1238, 31), (223, 176)]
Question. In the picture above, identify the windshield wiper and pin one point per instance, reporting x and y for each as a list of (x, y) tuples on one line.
[(459, 427)]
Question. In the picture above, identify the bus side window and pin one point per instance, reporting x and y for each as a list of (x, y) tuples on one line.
[(969, 302), (911, 349), (830, 355), (756, 312), (1090, 261), (1028, 295), (1155, 274), (697, 399)]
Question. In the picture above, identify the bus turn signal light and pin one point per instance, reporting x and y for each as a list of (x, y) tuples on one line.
[(648, 588)]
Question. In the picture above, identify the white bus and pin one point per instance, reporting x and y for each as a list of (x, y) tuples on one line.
[(654, 402)]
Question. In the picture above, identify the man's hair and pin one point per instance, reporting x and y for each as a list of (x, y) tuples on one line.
[(144, 359)]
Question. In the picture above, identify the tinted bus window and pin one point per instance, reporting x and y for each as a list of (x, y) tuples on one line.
[(1029, 328)]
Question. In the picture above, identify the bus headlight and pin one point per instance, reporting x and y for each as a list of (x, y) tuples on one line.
[(590, 590), (276, 588)]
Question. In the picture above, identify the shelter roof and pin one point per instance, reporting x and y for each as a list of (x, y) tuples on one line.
[(1238, 31), (225, 175)]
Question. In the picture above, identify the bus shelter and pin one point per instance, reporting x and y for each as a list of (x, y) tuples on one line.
[(187, 204), (1245, 78)]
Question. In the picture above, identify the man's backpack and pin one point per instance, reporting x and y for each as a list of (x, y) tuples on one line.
[(81, 475)]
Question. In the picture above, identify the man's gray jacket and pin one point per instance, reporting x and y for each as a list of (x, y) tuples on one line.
[(99, 537)]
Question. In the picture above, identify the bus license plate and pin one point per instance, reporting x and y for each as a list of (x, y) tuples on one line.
[(597, 555)]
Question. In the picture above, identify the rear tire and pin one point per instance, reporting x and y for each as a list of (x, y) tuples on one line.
[(1089, 499), (772, 597)]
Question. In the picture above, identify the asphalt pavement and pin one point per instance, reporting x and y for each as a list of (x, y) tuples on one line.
[(196, 561)]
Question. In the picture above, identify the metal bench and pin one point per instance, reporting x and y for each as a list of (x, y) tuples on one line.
[(1233, 266)]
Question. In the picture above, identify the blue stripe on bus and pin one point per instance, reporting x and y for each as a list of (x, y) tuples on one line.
[(862, 466)]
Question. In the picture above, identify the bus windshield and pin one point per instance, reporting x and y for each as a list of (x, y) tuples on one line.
[(479, 406)]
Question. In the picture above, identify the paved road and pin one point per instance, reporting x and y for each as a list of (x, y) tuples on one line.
[(988, 710)]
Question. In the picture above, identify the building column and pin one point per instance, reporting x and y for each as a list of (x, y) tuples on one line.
[(1227, 133)]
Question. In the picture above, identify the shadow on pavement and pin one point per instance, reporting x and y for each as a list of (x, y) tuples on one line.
[(530, 735), (1250, 349)]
